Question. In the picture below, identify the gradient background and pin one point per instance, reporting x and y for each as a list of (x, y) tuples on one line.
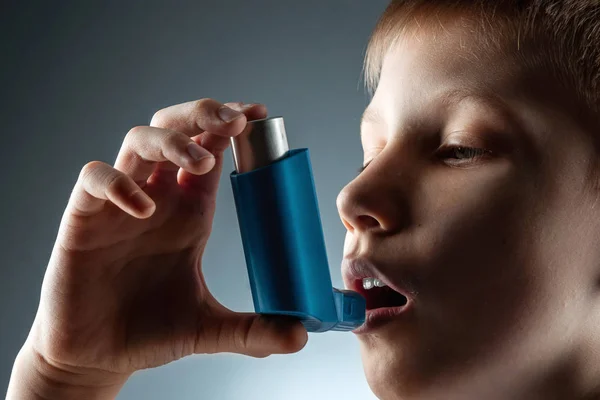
[(77, 75)]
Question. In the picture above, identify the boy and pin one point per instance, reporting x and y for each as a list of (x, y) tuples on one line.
[(477, 208)]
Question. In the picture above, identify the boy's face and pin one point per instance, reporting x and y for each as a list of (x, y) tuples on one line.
[(497, 242)]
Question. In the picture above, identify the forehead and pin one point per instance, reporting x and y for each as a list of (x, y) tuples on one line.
[(448, 63), (433, 19), (433, 58)]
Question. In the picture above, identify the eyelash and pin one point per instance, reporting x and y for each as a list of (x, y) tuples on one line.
[(469, 154), (473, 154)]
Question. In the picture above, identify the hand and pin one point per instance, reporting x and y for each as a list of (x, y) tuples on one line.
[(124, 288)]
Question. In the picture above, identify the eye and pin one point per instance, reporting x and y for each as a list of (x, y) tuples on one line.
[(459, 155)]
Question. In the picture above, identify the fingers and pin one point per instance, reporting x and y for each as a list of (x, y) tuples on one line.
[(208, 182), (261, 336), (253, 335), (252, 111), (195, 117), (99, 182), (183, 136), (218, 144), (204, 120), (144, 147)]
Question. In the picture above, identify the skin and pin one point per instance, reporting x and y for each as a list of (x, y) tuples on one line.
[(500, 246)]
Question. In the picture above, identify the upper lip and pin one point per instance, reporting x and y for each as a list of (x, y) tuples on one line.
[(354, 270)]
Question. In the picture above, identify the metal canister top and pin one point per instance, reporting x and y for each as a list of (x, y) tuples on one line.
[(262, 142)]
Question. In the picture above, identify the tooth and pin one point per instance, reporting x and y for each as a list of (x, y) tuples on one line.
[(368, 283), (379, 283)]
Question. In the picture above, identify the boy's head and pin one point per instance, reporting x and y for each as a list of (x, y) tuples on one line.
[(481, 196)]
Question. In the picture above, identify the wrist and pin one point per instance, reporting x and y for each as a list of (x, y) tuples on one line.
[(36, 377)]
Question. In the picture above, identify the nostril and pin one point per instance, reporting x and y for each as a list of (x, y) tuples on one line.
[(366, 222), (360, 222)]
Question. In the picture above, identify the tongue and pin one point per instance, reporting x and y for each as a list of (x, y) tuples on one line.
[(379, 297)]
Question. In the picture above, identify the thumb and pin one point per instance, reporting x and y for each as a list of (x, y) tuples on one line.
[(255, 335)]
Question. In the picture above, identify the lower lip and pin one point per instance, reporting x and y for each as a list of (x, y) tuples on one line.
[(379, 317)]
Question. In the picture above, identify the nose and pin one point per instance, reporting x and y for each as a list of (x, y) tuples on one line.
[(374, 201)]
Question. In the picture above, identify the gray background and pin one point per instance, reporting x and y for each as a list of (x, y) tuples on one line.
[(76, 76)]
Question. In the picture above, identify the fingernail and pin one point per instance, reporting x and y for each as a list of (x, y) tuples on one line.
[(197, 152), (228, 114)]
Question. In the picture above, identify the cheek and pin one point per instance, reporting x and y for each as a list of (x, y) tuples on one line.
[(473, 244), (462, 212), (466, 214)]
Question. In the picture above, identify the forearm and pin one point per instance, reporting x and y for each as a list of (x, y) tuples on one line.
[(34, 378)]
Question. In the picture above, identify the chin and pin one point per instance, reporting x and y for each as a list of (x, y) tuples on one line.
[(387, 369), (399, 363)]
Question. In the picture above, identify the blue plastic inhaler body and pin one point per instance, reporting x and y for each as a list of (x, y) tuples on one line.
[(281, 231)]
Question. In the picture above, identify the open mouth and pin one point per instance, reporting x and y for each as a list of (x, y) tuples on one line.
[(378, 295)]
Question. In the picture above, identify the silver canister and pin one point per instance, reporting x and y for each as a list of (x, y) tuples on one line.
[(262, 142)]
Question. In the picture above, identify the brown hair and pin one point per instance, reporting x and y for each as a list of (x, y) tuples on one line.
[(561, 36)]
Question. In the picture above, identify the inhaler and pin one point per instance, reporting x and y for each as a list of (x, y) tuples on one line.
[(282, 235)]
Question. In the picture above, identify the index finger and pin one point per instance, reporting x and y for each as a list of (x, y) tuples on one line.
[(195, 117)]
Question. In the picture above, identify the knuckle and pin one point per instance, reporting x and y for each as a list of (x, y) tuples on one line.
[(99, 175), (76, 234), (242, 334), (90, 169), (172, 139), (134, 133), (134, 143), (115, 180), (202, 105), (205, 108), (160, 118)]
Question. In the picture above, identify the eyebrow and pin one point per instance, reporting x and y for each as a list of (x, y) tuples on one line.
[(447, 99), (456, 96)]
